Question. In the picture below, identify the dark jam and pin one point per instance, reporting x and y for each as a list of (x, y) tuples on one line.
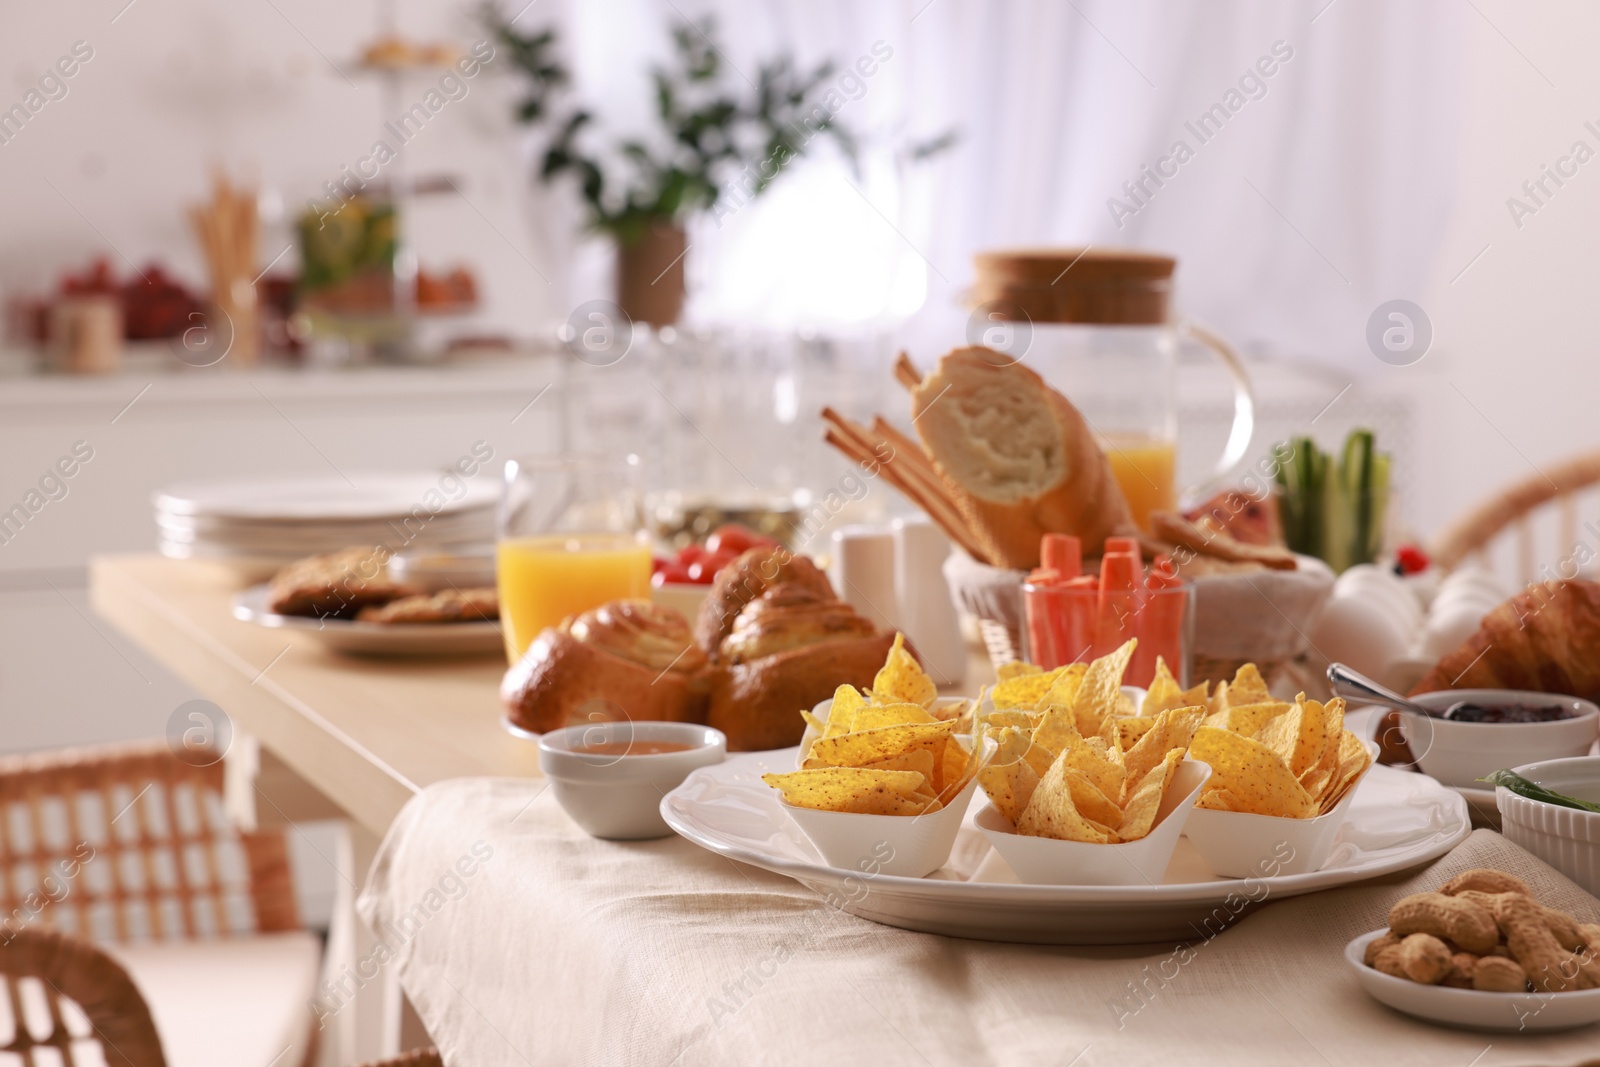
[(1511, 713)]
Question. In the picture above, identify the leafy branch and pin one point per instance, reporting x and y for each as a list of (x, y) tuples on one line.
[(711, 137)]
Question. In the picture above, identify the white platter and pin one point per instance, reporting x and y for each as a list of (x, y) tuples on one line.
[(1397, 821), (361, 496), (1472, 1009), (1363, 721), (411, 640)]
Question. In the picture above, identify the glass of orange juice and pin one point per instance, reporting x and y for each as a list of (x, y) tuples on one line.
[(572, 537)]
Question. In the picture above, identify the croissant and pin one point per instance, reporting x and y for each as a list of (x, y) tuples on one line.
[(788, 650), (629, 659), (1543, 639), (1018, 458)]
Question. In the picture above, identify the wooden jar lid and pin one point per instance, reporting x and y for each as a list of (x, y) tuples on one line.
[(1112, 286)]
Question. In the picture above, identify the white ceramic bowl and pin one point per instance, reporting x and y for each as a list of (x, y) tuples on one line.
[(1568, 839), (618, 795), (683, 597), (432, 570), (1046, 861), (908, 845), (1459, 753), (1241, 844), (1472, 1009)]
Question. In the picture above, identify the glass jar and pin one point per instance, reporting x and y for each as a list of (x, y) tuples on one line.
[(1094, 324)]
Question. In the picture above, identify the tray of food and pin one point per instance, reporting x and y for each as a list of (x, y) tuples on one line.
[(1050, 811)]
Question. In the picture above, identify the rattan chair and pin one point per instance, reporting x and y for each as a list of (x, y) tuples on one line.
[(422, 1057), (66, 995), (1518, 509), (127, 843), (131, 847)]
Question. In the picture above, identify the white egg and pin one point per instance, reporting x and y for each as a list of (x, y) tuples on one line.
[(1369, 582), (1449, 627), (1360, 632)]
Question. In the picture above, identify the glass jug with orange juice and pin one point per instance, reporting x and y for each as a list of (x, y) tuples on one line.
[(572, 537), (1094, 324)]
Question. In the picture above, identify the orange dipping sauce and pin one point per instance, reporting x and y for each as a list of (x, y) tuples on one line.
[(632, 748)]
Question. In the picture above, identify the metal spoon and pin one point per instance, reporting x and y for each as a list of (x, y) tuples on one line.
[(1355, 686)]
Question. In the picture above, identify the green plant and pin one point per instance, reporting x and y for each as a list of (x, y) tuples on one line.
[(711, 134)]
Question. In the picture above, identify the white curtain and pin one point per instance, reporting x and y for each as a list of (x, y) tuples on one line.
[(1319, 187)]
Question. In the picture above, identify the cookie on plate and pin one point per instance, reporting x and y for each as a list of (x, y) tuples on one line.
[(336, 585), (451, 605)]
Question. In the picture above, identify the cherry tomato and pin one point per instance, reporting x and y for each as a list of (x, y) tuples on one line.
[(736, 538), (691, 553), (657, 563), (1409, 559)]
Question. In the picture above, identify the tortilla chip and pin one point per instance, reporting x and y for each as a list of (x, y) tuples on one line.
[(1248, 687), (902, 678), (1259, 781), (1101, 689), (1162, 690), (1172, 729), (1248, 719), (1016, 669), (1090, 801), (868, 746), (1008, 779), (1091, 758), (1354, 759), (853, 789), (1144, 801), (955, 770), (877, 716), (1057, 730), (1220, 799), (1024, 690), (846, 699), (918, 759), (1017, 717), (1053, 813), (1131, 728), (1299, 736), (1163, 693), (1064, 689)]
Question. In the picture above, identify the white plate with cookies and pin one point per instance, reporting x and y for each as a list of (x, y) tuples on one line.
[(395, 639)]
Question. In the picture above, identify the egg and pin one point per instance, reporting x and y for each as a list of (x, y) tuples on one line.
[(1448, 629), (1386, 589), (1361, 632)]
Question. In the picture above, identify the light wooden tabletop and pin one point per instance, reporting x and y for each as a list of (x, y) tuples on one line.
[(367, 732)]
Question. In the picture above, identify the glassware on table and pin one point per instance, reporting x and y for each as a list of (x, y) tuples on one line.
[(571, 538), (1094, 324), (1077, 618)]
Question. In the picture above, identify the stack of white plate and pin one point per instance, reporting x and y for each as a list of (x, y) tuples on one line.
[(259, 525)]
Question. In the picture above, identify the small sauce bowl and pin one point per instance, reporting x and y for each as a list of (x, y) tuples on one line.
[(611, 776)]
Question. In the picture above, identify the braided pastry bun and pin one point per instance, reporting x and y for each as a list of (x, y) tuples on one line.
[(629, 659)]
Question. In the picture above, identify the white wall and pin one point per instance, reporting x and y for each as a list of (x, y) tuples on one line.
[(1513, 381), (177, 86)]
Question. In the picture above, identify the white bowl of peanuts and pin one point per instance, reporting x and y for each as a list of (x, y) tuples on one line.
[(1483, 954)]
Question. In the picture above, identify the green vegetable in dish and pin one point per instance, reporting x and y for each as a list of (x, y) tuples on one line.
[(1534, 791), (1334, 508)]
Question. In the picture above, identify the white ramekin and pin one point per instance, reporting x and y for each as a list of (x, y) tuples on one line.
[(1566, 838)]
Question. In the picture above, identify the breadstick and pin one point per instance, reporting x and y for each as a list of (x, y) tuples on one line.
[(858, 446), (905, 371)]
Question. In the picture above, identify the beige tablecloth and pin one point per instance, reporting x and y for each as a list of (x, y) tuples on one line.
[(521, 941)]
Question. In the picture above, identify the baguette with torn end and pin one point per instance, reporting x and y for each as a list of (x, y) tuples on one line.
[(1018, 458)]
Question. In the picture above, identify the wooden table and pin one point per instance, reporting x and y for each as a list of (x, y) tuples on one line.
[(367, 733)]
